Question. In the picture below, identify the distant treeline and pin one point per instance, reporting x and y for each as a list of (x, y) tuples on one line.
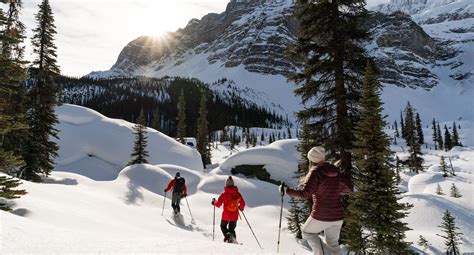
[(124, 98)]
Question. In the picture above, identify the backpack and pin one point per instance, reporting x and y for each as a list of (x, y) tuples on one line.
[(179, 184), (232, 205)]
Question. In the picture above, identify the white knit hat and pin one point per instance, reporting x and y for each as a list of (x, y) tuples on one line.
[(317, 154)]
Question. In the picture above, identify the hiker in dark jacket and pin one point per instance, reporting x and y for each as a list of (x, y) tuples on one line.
[(233, 202), (179, 191), (325, 185)]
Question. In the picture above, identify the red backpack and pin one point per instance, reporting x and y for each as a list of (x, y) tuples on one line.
[(232, 205)]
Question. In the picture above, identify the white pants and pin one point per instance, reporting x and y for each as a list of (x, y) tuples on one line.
[(332, 230)]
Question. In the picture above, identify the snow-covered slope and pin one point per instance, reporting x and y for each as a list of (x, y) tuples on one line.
[(99, 147), (71, 213)]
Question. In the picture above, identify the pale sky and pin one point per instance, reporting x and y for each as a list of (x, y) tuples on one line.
[(91, 33)]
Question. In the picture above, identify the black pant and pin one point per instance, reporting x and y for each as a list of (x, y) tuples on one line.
[(175, 201), (231, 230)]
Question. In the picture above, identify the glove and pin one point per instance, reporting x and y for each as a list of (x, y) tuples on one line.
[(282, 189), (241, 209), (165, 190), (213, 201), (184, 195)]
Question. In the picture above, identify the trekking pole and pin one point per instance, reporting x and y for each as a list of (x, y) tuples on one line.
[(189, 208), (213, 221), (164, 200), (279, 225), (248, 224)]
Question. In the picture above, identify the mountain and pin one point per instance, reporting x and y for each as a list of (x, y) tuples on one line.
[(247, 44)]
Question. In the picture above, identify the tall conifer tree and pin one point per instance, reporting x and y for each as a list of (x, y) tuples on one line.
[(448, 144), (181, 118), (452, 237), (439, 137), (329, 83), (415, 160), (140, 153), (402, 126), (39, 151), (419, 129), (456, 141), (203, 132), (374, 225), (435, 134)]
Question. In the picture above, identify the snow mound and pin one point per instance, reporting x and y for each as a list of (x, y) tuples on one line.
[(280, 159), (99, 147)]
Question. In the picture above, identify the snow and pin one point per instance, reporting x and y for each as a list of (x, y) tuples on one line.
[(280, 159), (87, 134), (73, 211)]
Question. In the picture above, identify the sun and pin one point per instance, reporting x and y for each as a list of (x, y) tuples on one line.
[(156, 18)]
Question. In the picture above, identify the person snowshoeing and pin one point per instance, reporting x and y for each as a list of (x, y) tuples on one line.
[(233, 202), (325, 185), (178, 184)]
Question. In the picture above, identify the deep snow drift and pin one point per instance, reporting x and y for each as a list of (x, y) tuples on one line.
[(72, 212)]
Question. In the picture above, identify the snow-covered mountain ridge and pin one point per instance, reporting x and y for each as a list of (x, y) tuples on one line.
[(248, 43)]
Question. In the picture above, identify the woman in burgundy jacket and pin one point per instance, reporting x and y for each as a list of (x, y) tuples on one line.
[(325, 185)]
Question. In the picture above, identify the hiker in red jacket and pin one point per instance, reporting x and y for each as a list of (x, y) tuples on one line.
[(180, 190), (325, 185), (233, 202)]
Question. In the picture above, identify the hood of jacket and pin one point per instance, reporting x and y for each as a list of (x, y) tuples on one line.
[(231, 189)]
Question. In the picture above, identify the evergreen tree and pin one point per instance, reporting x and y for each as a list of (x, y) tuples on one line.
[(202, 133), (397, 134), (402, 125), (422, 242), (454, 191), (439, 137), (448, 145), (8, 191), (156, 121), (443, 167), (39, 151), (439, 190), (181, 118), (289, 133), (452, 237), (435, 134), (262, 138), (374, 225), (12, 92), (140, 154), (330, 33), (415, 160), (397, 170), (419, 129), (295, 219), (456, 141)]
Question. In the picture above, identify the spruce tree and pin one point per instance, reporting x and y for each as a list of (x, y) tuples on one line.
[(397, 134), (455, 139), (439, 137), (452, 237), (435, 134), (419, 129), (289, 133), (415, 160), (454, 191), (295, 219), (448, 145), (202, 133), (39, 151), (140, 154), (8, 191), (12, 93), (439, 190), (374, 225), (422, 242), (402, 125), (443, 167), (329, 44), (181, 118), (156, 121)]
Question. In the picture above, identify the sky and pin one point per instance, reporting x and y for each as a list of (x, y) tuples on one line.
[(91, 33)]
